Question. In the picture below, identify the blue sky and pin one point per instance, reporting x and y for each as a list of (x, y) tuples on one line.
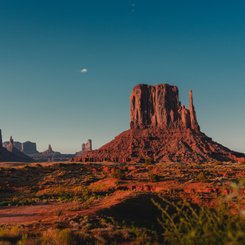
[(44, 44)]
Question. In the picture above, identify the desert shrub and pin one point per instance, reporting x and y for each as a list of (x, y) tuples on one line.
[(12, 236), (189, 225), (119, 173), (218, 163), (59, 212), (136, 235), (21, 201), (4, 203), (58, 237), (185, 223), (201, 177), (78, 193), (142, 235), (153, 177), (66, 237), (149, 160)]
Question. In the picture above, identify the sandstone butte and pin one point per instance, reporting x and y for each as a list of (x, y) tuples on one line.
[(161, 129), (12, 154)]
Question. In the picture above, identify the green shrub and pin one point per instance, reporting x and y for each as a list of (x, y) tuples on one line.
[(58, 237), (185, 223)]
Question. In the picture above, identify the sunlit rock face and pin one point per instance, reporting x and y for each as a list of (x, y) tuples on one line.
[(161, 129), (159, 107)]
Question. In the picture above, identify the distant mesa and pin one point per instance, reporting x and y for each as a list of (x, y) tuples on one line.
[(12, 153), (161, 129), (27, 152), (85, 147), (28, 148)]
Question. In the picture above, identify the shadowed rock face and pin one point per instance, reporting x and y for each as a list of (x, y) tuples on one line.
[(12, 154), (161, 129), (1, 140), (159, 107)]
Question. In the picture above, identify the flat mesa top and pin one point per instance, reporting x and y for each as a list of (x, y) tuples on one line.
[(163, 85)]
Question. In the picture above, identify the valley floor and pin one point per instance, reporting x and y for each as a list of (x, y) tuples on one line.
[(107, 202)]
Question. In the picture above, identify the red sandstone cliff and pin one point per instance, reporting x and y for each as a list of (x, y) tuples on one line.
[(159, 107), (161, 129)]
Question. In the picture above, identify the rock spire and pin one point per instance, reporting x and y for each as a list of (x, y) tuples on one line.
[(159, 107)]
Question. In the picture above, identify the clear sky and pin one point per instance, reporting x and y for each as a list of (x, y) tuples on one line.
[(44, 44)]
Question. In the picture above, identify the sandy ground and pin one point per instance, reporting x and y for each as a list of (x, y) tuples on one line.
[(48, 212)]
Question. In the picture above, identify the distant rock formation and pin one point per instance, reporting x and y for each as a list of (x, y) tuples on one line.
[(11, 153), (87, 146), (161, 129), (10, 146), (49, 151), (28, 148), (51, 156)]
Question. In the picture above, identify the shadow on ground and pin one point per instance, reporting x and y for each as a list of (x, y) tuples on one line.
[(138, 211)]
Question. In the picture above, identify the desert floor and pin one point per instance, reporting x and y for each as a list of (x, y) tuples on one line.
[(106, 201)]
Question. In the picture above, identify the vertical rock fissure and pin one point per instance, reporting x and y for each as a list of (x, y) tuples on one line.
[(159, 107)]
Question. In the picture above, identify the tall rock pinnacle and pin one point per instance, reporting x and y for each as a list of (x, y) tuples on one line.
[(193, 118), (10, 146), (159, 107)]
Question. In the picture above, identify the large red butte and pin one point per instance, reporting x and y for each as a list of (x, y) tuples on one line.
[(161, 129)]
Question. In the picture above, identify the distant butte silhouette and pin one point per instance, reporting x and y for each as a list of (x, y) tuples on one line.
[(161, 129), (12, 154)]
